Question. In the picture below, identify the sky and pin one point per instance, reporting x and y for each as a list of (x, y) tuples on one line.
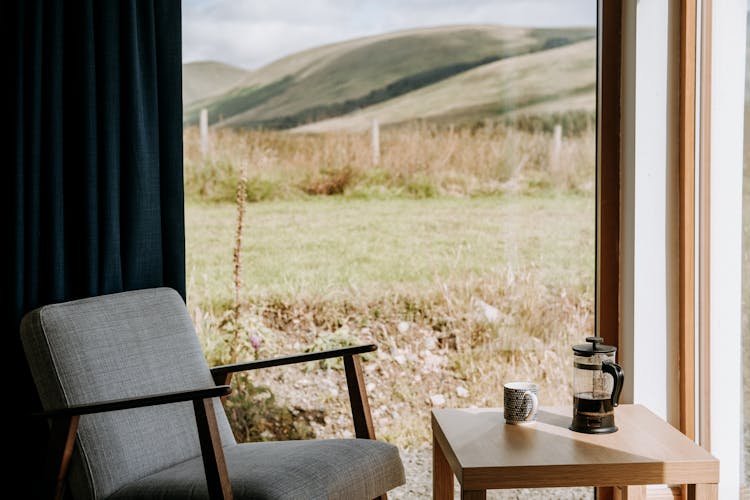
[(251, 33)]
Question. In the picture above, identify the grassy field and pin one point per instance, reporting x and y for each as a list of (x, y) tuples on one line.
[(415, 276), (375, 247), (466, 255)]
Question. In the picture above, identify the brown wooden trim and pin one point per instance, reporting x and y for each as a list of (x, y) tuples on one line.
[(604, 493), (473, 494), (609, 145), (59, 453), (704, 269), (663, 493), (223, 378), (686, 287), (631, 492), (138, 402), (355, 382), (218, 371), (666, 493), (703, 492), (214, 465)]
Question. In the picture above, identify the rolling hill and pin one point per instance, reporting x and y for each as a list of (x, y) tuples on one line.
[(204, 79), (545, 82), (447, 73)]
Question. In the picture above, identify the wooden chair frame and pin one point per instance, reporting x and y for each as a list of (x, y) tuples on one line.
[(64, 421)]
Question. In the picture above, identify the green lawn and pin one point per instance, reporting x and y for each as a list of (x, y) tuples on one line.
[(373, 247), (412, 276)]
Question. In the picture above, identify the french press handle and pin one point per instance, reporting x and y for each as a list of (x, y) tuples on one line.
[(619, 377)]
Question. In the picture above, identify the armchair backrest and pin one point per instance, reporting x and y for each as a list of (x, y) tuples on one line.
[(118, 346)]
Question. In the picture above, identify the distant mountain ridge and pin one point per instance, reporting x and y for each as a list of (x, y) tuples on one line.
[(453, 64), (205, 79)]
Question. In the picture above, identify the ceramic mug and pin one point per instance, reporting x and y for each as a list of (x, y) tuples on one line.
[(520, 402)]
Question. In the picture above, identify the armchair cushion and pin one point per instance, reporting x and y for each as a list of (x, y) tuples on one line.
[(135, 344), (346, 469), (120, 346)]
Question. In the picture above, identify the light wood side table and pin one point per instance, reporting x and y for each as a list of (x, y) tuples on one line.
[(484, 453)]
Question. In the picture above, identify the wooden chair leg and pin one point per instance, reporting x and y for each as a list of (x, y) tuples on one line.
[(217, 477), (355, 382), (59, 452)]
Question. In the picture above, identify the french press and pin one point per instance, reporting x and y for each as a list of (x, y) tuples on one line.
[(597, 382)]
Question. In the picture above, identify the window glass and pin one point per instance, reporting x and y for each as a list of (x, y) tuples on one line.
[(417, 174), (746, 268)]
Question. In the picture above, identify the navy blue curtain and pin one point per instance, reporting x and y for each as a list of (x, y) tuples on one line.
[(94, 198)]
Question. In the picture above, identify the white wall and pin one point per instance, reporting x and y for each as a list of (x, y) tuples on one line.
[(649, 234), (727, 104)]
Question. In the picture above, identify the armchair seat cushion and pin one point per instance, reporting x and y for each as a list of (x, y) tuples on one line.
[(348, 469)]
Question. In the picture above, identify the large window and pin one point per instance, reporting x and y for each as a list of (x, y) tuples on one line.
[(416, 174)]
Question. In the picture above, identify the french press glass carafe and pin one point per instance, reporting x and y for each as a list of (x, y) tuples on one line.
[(597, 382)]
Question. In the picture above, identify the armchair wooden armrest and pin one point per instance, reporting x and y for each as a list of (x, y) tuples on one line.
[(137, 402), (363, 427), (223, 370), (65, 425)]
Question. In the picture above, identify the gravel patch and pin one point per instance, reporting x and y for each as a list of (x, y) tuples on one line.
[(418, 467)]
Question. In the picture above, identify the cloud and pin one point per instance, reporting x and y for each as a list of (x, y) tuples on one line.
[(253, 33)]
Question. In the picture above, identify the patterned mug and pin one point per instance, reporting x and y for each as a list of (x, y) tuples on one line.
[(520, 402)]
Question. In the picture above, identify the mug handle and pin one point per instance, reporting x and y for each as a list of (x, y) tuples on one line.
[(534, 404)]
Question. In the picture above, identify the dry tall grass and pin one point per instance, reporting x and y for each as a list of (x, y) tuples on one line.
[(437, 346), (415, 161)]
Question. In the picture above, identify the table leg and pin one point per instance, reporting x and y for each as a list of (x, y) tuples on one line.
[(473, 494), (703, 491), (636, 492), (605, 493), (442, 475)]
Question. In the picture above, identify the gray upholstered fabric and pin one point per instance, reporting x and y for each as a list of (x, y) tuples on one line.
[(346, 469), (117, 346), (143, 342)]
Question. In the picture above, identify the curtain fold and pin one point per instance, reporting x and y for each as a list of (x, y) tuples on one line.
[(95, 198)]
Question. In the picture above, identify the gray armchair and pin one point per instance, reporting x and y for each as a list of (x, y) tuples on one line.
[(135, 412)]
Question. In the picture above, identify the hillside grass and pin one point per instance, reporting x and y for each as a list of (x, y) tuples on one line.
[(205, 79), (536, 82), (322, 79)]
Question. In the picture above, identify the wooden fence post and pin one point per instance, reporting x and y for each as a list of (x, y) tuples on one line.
[(556, 147), (204, 132), (375, 143)]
